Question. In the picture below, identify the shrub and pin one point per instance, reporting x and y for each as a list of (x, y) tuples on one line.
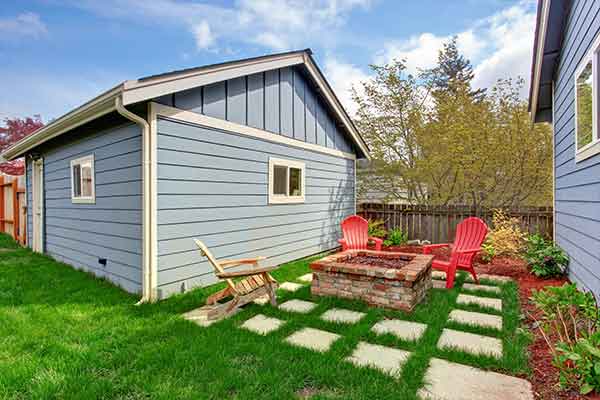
[(506, 237), (572, 317), (489, 252), (544, 258), (377, 228), (396, 237)]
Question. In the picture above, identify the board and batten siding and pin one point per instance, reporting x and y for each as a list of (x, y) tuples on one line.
[(577, 184), (280, 101), (213, 185), (80, 234)]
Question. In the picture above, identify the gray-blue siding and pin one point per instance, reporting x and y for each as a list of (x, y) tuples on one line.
[(212, 185), (280, 101), (577, 195), (80, 234)]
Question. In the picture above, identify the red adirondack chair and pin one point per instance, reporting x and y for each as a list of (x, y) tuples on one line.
[(470, 234), (356, 234)]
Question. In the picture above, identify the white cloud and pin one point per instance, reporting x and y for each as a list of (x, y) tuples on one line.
[(26, 24), (203, 35), (342, 78), (498, 46), (272, 24)]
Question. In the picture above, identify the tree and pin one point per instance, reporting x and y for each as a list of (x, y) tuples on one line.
[(440, 146), (16, 129), (452, 71)]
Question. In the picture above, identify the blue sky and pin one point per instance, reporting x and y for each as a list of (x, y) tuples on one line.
[(58, 54)]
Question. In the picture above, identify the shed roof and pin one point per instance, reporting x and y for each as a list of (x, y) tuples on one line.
[(153, 86), (550, 23)]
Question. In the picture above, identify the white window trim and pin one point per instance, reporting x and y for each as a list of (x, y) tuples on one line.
[(593, 147), (83, 199), (281, 199)]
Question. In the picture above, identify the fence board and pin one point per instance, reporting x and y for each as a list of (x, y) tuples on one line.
[(13, 207), (438, 224)]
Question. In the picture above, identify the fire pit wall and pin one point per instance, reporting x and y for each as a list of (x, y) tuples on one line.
[(401, 287)]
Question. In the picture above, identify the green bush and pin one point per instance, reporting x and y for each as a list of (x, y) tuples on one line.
[(396, 237), (544, 258), (489, 252), (377, 228), (571, 317)]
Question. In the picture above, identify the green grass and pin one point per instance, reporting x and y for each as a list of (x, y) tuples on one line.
[(64, 334)]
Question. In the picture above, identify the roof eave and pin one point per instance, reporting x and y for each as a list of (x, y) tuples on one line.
[(538, 52)]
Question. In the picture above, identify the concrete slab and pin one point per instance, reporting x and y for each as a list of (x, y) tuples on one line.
[(314, 339), (386, 359), (341, 315), (477, 319), (406, 330), (307, 278), (262, 324), (451, 381), (438, 284), (290, 286), (298, 306), (485, 288), (261, 301), (470, 343), (438, 275), (496, 304), (492, 278)]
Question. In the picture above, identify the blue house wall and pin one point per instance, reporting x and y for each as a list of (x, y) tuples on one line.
[(577, 184)]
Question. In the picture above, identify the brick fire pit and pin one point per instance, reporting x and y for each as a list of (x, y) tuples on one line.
[(384, 279)]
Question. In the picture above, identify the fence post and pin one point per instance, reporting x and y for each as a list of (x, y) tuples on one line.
[(2, 205), (15, 208)]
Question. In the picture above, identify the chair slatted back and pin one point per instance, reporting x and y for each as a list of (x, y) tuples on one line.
[(211, 259), (470, 234), (356, 232)]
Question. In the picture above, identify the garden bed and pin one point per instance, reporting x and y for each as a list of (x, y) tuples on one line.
[(544, 376)]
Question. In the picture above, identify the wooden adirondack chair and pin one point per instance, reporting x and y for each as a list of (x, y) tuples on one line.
[(470, 234), (256, 282), (356, 234)]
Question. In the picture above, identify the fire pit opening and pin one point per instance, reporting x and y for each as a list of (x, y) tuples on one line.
[(385, 279)]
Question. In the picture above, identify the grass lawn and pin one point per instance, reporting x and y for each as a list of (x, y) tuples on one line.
[(64, 334)]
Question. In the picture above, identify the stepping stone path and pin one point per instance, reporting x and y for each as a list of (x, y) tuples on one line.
[(477, 319), (262, 324), (314, 339), (496, 304), (341, 315), (450, 381), (491, 278), (485, 288), (261, 301), (306, 278), (405, 330), (470, 343), (438, 275), (290, 286), (298, 306), (386, 359), (438, 284)]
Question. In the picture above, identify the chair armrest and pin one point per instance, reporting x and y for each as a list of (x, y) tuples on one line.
[(377, 241), (241, 261), (468, 251), (428, 247), (247, 272), (344, 244)]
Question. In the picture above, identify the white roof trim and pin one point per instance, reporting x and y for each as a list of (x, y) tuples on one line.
[(146, 89), (539, 57)]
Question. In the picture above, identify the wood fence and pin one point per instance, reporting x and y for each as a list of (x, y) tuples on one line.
[(438, 224), (13, 207)]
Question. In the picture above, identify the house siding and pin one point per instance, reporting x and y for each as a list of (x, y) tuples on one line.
[(280, 101), (213, 185), (577, 184), (80, 234)]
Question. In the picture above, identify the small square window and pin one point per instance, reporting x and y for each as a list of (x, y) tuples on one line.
[(587, 131), (82, 180), (286, 181)]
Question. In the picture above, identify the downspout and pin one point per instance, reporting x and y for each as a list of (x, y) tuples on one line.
[(146, 287)]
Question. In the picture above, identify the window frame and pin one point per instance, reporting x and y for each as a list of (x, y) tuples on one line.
[(592, 148), (286, 199), (83, 199)]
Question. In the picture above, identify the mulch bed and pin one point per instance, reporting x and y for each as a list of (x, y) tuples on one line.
[(544, 377)]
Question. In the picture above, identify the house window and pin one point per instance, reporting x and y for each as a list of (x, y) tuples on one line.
[(82, 180), (587, 139), (286, 181)]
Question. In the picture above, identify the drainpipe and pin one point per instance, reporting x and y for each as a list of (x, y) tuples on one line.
[(146, 287)]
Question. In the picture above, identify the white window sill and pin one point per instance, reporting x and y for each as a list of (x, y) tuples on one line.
[(83, 201), (286, 199), (587, 151)]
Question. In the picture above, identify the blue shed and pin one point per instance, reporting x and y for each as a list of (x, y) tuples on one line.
[(254, 157), (564, 92)]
